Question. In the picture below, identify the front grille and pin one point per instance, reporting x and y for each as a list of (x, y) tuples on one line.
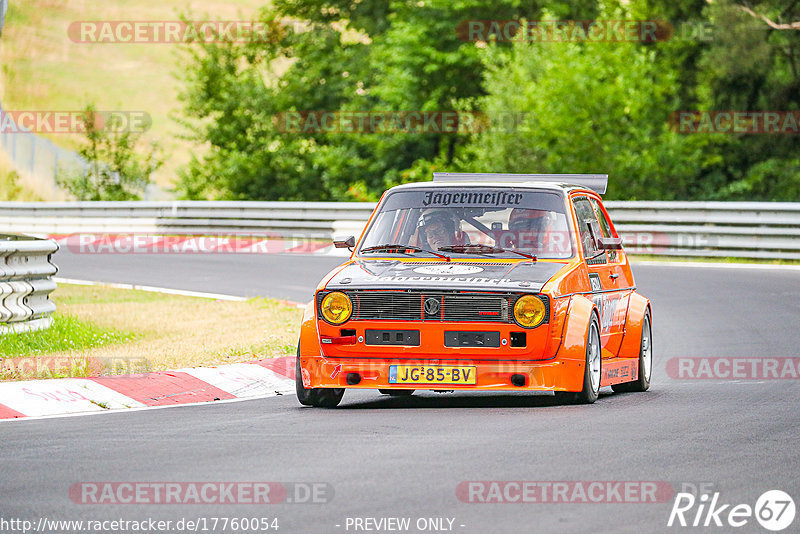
[(484, 308), (448, 307), (397, 305)]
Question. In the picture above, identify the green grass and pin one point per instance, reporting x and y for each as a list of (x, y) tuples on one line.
[(53, 353), (67, 333), (92, 334), (68, 295)]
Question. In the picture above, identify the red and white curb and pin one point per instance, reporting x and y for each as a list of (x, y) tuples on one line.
[(74, 396)]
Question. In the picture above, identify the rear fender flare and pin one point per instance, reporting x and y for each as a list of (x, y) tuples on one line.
[(638, 306)]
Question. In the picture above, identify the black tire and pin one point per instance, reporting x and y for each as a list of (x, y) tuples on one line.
[(591, 380), (317, 397), (642, 382), (397, 392)]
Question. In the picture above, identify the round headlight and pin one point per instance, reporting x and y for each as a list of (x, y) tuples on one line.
[(529, 311), (336, 307)]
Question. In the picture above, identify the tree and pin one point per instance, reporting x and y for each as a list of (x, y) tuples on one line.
[(772, 24), (234, 97), (750, 66), (115, 169), (350, 56), (595, 108)]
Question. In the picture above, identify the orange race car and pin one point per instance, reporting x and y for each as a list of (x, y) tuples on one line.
[(480, 282)]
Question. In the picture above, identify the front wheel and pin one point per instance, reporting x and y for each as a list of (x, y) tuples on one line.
[(591, 372), (317, 397), (642, 383)]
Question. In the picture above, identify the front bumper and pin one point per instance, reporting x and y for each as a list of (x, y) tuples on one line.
[(550, 375)]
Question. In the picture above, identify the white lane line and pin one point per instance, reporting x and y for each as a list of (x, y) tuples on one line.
[(151, 289), (703, 265), (168, 291)]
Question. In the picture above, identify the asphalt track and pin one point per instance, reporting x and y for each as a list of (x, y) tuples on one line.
[(405, 457), (284, 276)]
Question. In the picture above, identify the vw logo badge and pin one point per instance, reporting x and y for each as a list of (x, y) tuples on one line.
[(431, 306)]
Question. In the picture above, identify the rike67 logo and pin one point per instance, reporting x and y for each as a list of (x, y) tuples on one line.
[(774, 510)]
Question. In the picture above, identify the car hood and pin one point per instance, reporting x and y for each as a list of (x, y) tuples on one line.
[(473, 276)]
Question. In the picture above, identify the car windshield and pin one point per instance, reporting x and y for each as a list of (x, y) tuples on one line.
[(471, 221)]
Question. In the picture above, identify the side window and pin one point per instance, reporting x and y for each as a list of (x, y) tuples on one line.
[(586, 216), (605, 228)]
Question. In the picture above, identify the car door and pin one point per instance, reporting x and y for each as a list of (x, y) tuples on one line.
[(620, 278), (603, 276)]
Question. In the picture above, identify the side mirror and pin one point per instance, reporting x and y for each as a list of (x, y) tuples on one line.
[(609, 243), (344, 242)]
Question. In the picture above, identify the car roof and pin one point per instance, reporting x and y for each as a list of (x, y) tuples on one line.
[(551, 186)]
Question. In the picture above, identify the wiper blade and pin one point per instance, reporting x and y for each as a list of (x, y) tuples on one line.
[(484, 249), (404, 247)]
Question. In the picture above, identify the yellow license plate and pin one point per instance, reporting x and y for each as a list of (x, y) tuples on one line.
[(426, 374)]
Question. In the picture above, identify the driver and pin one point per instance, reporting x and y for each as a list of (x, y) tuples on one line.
[(530, 225), (437, 228)]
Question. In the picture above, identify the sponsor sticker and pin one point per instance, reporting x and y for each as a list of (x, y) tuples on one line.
[(449, 269)]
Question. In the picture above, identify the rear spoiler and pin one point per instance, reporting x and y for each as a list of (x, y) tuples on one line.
[(596, 182)]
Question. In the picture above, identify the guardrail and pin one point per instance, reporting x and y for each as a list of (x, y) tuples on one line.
[(758, 230), (26, 283), (293, 219)]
